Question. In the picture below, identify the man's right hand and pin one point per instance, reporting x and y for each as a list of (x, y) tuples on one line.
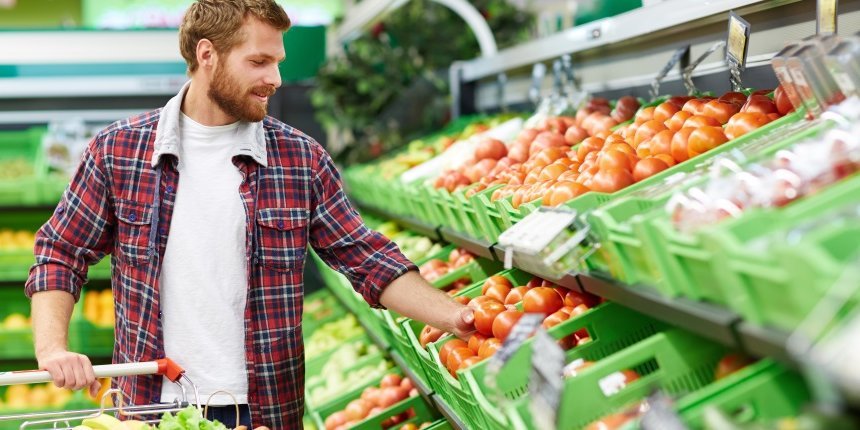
[(69, 370)]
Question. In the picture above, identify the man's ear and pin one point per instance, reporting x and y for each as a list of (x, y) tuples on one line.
[(206, 55)]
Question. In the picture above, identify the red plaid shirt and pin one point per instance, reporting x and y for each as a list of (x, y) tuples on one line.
[(293, 197)]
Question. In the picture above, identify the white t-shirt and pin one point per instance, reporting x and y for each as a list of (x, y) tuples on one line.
[(203, 277)]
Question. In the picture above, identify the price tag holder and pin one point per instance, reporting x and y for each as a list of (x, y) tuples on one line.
[(547, 381), (680, 57), (737, 47), (538, 74), (687, 74), (661, 415), (524, 328), (825, 14)]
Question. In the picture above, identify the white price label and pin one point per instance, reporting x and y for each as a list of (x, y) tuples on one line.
[(737, 40), (826, 12)]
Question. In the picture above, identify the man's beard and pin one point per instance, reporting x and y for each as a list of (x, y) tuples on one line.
[(226, 92)]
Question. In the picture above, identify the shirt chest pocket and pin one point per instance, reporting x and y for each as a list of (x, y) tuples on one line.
[(282, 237), (134, 224)]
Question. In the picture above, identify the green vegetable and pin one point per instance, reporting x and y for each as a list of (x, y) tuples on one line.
[(189, 418)]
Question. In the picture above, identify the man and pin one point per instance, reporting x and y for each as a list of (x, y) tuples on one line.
[(207, 206)]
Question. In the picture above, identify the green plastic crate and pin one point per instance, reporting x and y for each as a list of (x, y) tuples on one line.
[(87, 338), (612, 327), (619, 224), (17, 343), (469, 218), (26, 146), (487, 214), (674, 361), (440, 425), (759, 392), (766, 285)]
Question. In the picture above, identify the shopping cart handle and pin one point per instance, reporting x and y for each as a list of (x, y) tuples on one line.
[(164, 367)]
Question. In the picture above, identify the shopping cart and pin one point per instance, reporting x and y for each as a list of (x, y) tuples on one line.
[(148, 413)]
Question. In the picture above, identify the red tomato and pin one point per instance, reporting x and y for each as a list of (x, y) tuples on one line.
[(612, 158), (590, 144), (575, 298), (448, 346), (646, 131), (456, 357), (546, 156), (679, 101), (667, 158), (679, 144), (697, 121), (543, 300), (611, 180), (720, 110), (644, 115), (429, 334), (475, 342), (357, 410), (546, 139), (519, 152), (335, 420), (644, 149), (664, 111), (695, 106), (478, 301), (623, 147), (574, 135), (783, 103), (578, 309), (759, 103), (498, 291), (661, 143), (745, 122), (704, 139), (563, 191), (485, 314), (469, 362), (516, 295), (729, 364), (489, 347), (648, 167), (391, 380), (406, 383), (554, 319), (506, 321), (551, 172), (489, 148), (677, 121), (734, 97)]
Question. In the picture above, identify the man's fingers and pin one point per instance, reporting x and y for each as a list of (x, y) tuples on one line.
[(56, 373), (94, 389), (467, 315)]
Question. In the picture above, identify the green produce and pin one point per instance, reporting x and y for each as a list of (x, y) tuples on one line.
[(332, 335), (15, 168), (416, 248), (187, 419), (336, 384), (342, 358)]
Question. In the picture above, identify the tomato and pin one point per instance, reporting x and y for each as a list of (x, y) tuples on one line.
[(611, 180), (783, 102), (429, 334), (519, 152), (357, 410), (547, 156), (602, 124), (590, 144), (475, 342), (574, 135), (489, 148), (720, 110), (661, 143), (625, 108), (498, 291), (679, 101), (456, 357), (570, 175), (697, 121), (644, 149), (575, 298), (555, 319), (648, 167), (679, 144), (644, 115), (494, 280), (505, 322), (695, 106), (485, 314), (733, 97), (469, 362), (563, 191), (745, 122), (646, 131), (449, 346), (704, 139), (542, 300), (666, 158), (551, 172), (489, 347), (581, 114), (759, 103), (623, 147), (664, 111), (391, 380), (629, 132), (612, 158), (677, 121), (546, 139), (335, 420), (729, 364)]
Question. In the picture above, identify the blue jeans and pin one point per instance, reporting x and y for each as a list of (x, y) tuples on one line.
[(227, 415)]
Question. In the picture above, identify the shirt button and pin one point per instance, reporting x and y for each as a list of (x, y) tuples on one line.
[(60, 209), (162, 231), (132, 217), (280, 224), (169, 189)]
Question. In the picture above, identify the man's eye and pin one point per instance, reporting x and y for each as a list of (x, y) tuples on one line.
[(257, 62)]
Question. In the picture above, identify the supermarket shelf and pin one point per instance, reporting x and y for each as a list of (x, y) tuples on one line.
[(408, 222), (448, 413), (478, 247), (765, 342), (425, 391)]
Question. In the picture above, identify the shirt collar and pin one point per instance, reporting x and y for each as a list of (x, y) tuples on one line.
[(251, 135)]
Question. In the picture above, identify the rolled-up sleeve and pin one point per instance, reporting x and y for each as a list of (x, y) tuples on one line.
[(367, 258), (78, 234)]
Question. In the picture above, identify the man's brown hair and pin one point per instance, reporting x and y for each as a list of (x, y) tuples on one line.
[(219, 22)]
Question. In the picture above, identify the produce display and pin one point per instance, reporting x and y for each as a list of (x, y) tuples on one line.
[(392, 390), (98, 307), (16, 240), (331, 335), (342, 371), (11, 169), (436, 268)]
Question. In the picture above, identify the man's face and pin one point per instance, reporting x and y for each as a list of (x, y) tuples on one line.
[(247, 76)]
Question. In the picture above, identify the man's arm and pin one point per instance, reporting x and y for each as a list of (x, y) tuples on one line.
[(410, 295), (78, 234)]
